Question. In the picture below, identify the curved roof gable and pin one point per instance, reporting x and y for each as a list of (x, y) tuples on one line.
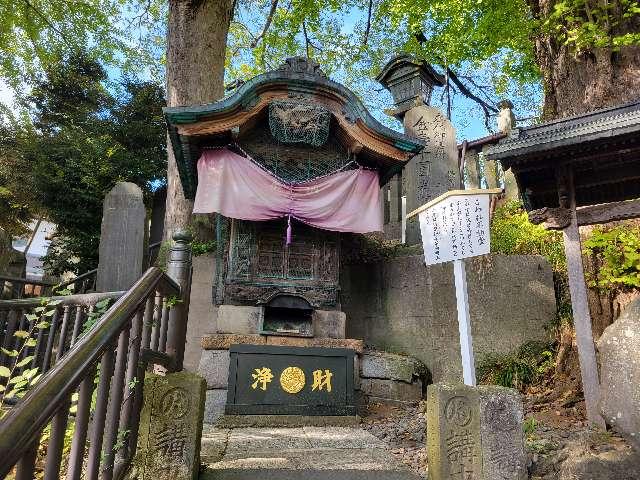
[(298, 78)]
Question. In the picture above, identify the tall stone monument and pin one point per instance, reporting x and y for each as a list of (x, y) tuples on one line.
[(475, 433), (122, 238), (435, 170)]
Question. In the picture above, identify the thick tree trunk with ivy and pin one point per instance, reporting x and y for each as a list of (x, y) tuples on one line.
[(196, 45), (576, 82)]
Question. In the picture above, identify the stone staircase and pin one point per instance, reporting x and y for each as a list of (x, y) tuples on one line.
[(297, 453)]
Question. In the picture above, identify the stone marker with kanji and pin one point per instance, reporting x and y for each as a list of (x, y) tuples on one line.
[(170, 427)]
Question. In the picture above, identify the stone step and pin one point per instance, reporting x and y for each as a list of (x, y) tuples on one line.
[(309, 453)]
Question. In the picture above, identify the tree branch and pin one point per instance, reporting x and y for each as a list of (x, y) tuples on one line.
[(306, 38), (486, 108), (46, 20), (267, 23), (368, 29)]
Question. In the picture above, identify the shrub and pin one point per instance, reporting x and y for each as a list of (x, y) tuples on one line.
[(513, 234), (519, 369), (616, 251)]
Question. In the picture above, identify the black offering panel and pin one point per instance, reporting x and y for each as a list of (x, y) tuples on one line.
[(271, 380)]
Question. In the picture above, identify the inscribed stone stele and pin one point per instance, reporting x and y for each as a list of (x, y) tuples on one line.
[(170, 427), (475, 433), (434, 171)]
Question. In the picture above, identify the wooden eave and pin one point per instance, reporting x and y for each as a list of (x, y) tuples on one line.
[(601, 148), (375, 144)]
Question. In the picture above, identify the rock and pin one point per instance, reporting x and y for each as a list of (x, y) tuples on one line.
[(619, 352), (170, 427), (214, 367), (389, 390), (214, 405), (582, 464), (223, 341), (329, 323), (239, 319), (391, 366), (122, 238)]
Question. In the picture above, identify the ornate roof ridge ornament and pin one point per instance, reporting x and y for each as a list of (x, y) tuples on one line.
[(301, 65)]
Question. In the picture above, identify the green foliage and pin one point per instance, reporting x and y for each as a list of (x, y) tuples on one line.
[(81, 140), (15, 208), (202, 247), (94, 315), (519, 369), (584, 24), (18, 377), (513, 234), (617, 253), (33, 32), (529, 426)]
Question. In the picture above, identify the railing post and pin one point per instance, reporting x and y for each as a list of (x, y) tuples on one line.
[(179, 268)]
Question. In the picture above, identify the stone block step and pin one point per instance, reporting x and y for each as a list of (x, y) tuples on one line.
[(309, 453)]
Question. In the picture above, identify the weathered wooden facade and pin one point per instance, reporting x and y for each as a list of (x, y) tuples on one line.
[(298, 125), (578, 171)]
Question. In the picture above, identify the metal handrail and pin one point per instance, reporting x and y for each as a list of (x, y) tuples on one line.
[(49, 399)]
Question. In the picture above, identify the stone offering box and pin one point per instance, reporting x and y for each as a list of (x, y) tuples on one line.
[(290, 380)]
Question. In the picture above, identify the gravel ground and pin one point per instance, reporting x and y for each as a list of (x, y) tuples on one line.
[(403, 429)]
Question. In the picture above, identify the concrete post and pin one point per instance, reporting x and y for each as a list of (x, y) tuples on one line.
[(179, 268)]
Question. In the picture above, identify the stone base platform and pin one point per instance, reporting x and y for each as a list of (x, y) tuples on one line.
[(222, 341), (310, 453), (243, 421)]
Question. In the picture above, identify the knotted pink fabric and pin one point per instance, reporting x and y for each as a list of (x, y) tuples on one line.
[(236, 187)]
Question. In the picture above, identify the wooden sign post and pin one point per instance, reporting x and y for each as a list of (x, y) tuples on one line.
[(455, 226)]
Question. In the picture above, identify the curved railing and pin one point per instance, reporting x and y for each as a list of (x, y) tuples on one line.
[(139, 330)]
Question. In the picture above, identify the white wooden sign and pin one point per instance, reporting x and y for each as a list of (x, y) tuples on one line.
[(455, 226)]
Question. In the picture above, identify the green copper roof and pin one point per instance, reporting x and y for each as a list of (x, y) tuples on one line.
[(301, 78)]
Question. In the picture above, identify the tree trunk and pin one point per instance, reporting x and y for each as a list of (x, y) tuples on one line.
[(576, 83), (196, 46)]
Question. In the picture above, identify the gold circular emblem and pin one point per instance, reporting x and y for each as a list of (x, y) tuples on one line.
[(292, 379)]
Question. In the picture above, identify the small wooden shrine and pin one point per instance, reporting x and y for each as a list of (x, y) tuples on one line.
[(577, 171), (299, 126)]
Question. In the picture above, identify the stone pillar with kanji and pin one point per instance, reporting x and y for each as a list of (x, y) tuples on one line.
[(170, 427), (435, 170)]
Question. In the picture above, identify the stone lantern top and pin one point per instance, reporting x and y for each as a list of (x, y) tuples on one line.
[(410, 82)]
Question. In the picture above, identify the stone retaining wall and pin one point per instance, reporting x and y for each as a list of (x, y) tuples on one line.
[(401, 305)]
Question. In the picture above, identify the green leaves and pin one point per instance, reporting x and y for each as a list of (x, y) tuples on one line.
[(4, 371), (616, 252)]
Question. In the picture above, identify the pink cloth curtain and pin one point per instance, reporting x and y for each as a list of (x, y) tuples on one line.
[(236, 187)]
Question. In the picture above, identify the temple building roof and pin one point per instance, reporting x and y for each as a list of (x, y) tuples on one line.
[(299, 79), (601, 147)]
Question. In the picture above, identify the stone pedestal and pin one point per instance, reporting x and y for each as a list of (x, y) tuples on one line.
[(475, 433), (214, 362), (170, 427), (435, 170)]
